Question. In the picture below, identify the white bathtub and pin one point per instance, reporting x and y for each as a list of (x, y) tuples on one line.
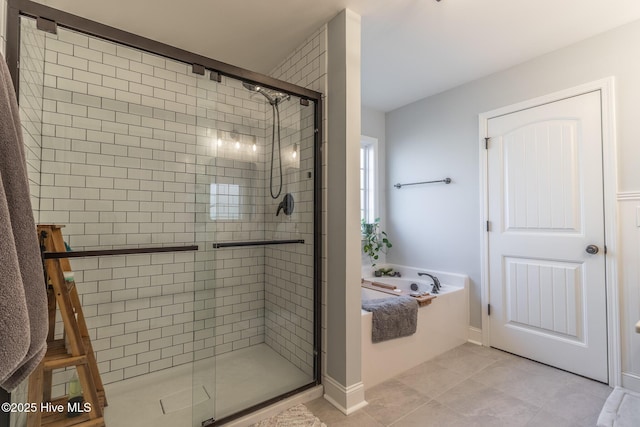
[(442, 325)]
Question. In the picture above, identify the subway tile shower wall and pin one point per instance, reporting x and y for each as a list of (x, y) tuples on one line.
[(132, 147), (289, 270), (31, 79)]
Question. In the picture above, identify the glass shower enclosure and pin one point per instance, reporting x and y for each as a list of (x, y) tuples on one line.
[(132, 144)]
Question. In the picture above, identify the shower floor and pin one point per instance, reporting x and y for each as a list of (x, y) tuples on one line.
[(164, 399)]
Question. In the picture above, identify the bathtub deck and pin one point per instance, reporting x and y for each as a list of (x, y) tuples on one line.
[(422, 301)]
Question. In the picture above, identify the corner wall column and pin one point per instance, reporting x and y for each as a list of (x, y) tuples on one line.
[(343, 374)]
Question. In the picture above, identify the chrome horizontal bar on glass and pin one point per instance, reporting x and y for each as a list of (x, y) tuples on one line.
[(254, 243)]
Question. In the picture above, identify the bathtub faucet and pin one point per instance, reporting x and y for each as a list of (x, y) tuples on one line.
[(436, 282)]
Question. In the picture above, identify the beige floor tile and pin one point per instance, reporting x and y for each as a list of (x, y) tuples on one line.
[(391, 400), (324, 410), (534, 388), (589, 386), (574, 404), (433, 414), (487, 404), (487, 351), (431, 379), (476, 386), (331, 416), (464, 361), (357, 419), (549, 419)]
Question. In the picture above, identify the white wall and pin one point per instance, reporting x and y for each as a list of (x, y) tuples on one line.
[(437, 226)]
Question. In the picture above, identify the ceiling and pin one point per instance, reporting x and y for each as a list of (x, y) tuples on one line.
[(411, 49)]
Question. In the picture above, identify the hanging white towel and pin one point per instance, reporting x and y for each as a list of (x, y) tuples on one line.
[(23, 302)]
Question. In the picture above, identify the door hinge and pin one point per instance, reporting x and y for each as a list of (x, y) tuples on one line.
[(488, 226), (605, 249), (488, 309), (486, 143)]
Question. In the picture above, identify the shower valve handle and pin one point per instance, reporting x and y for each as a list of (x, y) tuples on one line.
[(286, 205)]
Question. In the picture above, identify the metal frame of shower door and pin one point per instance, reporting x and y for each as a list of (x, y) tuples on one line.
[(66, 20), (16, 8)]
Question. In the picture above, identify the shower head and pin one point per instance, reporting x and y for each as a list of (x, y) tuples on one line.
[(274, 98), (251, 87), (255, 88)]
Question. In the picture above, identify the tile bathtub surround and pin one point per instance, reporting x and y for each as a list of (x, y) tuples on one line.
[(472, 385)]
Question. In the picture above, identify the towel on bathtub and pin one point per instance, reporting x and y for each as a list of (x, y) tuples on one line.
[(393, 317)]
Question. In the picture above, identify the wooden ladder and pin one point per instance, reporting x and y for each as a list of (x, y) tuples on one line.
[(77, 352)]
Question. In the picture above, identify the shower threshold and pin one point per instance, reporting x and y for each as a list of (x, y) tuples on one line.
[(169, 398)]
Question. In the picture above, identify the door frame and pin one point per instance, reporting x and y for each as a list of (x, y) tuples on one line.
[(606, 87)]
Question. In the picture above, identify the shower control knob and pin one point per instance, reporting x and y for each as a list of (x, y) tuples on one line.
[(592, 249)]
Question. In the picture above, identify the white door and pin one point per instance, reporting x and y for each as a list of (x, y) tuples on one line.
[(546, 291)]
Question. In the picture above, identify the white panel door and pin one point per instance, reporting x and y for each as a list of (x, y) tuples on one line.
[(547, 293)]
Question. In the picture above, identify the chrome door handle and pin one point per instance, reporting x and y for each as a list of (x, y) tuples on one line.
[(592, 249)]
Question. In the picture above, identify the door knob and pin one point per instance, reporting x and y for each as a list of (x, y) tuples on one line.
[(592, 249)]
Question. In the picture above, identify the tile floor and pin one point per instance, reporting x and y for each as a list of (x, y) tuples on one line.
[(476, 386), (192, 393)]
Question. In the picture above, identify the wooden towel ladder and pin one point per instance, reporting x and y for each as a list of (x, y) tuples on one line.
[(78, 352)]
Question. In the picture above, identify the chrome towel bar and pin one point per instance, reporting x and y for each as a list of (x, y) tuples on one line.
[(446, 181)]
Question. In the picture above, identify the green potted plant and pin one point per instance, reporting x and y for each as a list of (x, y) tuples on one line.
[(375, 240)]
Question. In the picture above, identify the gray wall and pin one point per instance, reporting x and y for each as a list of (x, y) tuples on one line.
[(438, 226)]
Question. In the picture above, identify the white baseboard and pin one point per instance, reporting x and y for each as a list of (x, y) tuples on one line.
[(346, 399), (631, 382), (475, 335)]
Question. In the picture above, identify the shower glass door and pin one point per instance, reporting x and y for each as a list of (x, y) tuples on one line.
[(255, 189), (131, 149), (113, 152)]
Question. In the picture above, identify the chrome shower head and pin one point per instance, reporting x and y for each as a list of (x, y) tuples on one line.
[(274, 98), (255, 88)]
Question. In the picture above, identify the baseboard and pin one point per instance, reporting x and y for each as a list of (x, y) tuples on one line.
[(631, 382), (346, 399), (475, 335)]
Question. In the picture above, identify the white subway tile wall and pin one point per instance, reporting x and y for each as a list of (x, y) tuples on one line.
[(30, 101), (289, 270), (131, 160)]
